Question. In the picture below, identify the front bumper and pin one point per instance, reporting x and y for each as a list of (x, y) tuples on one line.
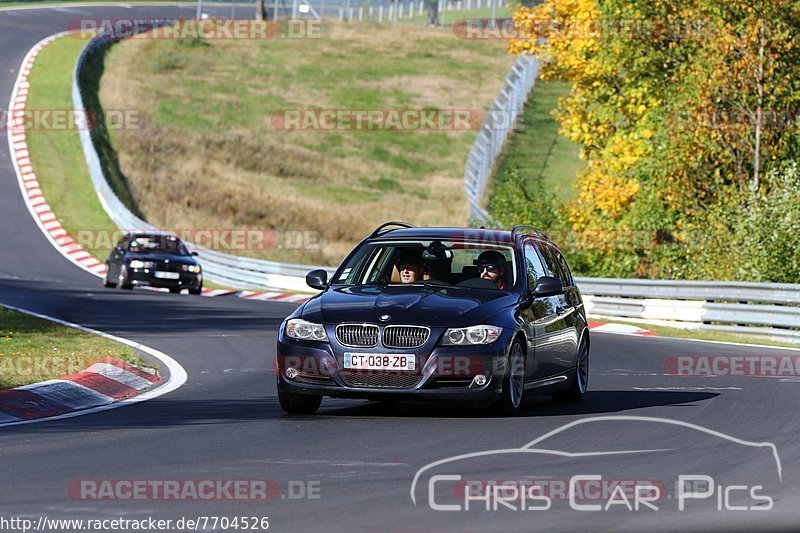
[(145, 277), (444, 373)]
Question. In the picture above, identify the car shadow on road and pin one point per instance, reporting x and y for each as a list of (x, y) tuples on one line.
[(182, 412), (595, 402)]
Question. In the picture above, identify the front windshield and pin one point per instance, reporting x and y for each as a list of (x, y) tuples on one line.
[(430, 262), (159, 244)]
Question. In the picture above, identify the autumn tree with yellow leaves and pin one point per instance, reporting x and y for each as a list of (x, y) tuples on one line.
[(680, 106)]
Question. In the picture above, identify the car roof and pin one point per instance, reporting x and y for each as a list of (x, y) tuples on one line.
[(445, 234), (152, 234)]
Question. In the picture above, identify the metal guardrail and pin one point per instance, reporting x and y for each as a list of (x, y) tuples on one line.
[(718, 291), (500, 120), (756, 308)]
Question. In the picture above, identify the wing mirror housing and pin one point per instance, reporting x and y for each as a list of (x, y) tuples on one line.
[(548, 286), (317, 279)]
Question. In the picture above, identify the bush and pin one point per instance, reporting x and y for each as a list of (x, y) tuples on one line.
[(756, 240)]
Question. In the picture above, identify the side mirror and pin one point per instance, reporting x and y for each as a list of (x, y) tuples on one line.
[(317, 279), (548, 286), (195, 254)]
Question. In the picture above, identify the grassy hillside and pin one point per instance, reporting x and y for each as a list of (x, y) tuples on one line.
[(208, 154)]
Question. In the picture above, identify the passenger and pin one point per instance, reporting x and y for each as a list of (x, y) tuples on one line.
[(491, 266), (409, 264)]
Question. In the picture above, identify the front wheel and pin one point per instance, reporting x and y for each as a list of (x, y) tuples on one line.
[(107, 283), (510, 400), (124, 282), (580, 379), (298, 404)]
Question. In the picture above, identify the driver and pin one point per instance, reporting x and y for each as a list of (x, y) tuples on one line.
[(491, 266), (409, 264)]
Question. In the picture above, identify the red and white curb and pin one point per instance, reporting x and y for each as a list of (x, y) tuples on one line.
[(251, 295), (619, 329), (106, 385), (101, 384), (41, 211), (28, 182)]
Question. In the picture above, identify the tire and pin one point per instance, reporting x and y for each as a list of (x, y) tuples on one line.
[(298, 404), (580, 379), (198, 291), (513, 395), (124, 283), (175, 290), (106, 282)]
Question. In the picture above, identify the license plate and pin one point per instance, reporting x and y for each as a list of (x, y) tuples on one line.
[(379, 361), (168, 275)]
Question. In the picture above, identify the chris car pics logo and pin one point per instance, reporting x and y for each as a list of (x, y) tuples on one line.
[(632, 481)]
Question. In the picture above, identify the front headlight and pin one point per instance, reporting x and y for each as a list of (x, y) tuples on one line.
[(472, 335), (300, 329), (136, 263), (194, 269)]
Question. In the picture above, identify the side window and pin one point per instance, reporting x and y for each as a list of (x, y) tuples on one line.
[(123, 242), (550, 261), (533, 265), (566, 277)]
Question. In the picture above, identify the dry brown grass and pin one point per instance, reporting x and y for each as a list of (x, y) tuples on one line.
[(207, 155)]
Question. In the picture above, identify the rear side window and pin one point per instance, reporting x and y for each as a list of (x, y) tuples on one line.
[(566, 275), (550, 262), (533, 265)]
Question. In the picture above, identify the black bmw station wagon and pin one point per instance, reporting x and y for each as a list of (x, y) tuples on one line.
[(473, 315)]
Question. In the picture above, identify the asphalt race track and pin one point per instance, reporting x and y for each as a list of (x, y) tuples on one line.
[(359, 459)]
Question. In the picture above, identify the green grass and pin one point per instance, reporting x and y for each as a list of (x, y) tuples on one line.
[(209, 154), (536, 149), (34, 350), (57, 156), (706, 335)]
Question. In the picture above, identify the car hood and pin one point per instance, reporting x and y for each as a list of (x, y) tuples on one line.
[(156, 256), (435, 307)]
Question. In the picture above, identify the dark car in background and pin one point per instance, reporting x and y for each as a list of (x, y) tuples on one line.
[(474, 315), (153, 259)]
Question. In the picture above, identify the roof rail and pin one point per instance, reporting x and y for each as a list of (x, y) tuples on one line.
[(529, 230), (387, 224)]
